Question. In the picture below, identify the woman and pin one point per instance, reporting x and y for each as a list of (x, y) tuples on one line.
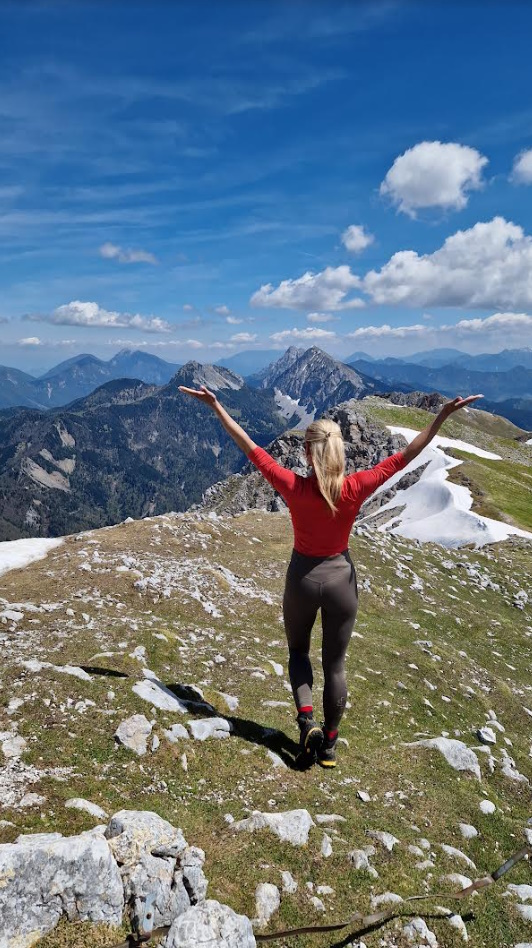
[(321, 575)]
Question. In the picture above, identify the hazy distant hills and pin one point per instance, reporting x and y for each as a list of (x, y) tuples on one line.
[(127, 449), (453, 379), (79, 376)]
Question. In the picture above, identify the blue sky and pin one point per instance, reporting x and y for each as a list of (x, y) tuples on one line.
[(197, 178)]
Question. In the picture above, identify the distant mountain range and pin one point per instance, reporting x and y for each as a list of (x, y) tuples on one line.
[(79, 376)]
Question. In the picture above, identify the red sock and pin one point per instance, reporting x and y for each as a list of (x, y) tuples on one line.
[(330, 735), (306, 709)]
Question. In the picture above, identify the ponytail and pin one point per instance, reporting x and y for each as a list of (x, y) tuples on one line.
[(326, 446)]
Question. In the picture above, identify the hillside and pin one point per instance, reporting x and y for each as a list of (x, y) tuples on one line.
[(442, 648)]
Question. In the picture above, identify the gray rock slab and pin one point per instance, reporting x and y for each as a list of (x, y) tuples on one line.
[(158, 695), (210, 925), (44, 877), (456, 753), (133, 733), (292, 826)]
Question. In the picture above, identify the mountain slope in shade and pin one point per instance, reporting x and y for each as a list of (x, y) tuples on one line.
[(128, 449)]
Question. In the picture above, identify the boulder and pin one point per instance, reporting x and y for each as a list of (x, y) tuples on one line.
[(133, 733), (46, 876), (210, 925), (155, 860), (456, 753)]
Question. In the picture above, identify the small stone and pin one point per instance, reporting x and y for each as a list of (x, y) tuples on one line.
[(467, 830), (417, 929), (78, 803), (487, 807), (203, 728), (456, 753), (525, 912), (386, 839), (457, 854), (210, 924), (387, 898), (317, 903), (364, 796), (326, 846), (329, 818), (175, 733), (486, 735), (288, 882), (359, 860), (133, 733), (523, 892), (324, 890)]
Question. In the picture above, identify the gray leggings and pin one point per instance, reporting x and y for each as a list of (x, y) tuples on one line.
[(329, 583)]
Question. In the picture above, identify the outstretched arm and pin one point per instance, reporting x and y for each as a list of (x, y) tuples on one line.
[(239, 436), (425, 437)]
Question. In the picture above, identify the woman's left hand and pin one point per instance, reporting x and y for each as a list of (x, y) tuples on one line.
[(203, 393), (457, 403)]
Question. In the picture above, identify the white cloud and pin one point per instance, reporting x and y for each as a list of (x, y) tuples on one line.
[(505, 325), (488, 266), (233, 320), (244, 337), (522, 168), (386, 331), (126, 255), (306, 334), (30, 341), (188, 308), (499, 322), (356, 239), (315, 291), (321, 318), (434, 174), (79, 313), (222, 310)]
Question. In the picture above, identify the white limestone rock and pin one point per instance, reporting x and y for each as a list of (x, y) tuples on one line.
[(486, 735), (523, 892), (133, 733), (203, 728), (326, 846), (456, 753), (457, 854), (417, 932), (288, 882), (360, 861), (267, 902), (292, 826), (210, 925), (158, 695), (385, 839), (457, 922), (154, 859), (387, 898), (487, 807), (467, 830), (175, 733), (45, 876)]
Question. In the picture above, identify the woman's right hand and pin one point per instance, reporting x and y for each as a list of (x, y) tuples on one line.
[(203, 394)]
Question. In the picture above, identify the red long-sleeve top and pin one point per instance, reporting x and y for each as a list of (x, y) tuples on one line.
[(316, 531)]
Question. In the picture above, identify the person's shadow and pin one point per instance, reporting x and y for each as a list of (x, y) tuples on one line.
[(251, 731)]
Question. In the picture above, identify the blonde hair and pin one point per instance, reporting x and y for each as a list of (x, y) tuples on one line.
[(326, 446)]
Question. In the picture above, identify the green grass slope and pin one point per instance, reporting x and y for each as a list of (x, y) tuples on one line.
[(441, 643)]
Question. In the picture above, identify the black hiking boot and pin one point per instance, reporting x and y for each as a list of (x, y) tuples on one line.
[(310, 739), (327, 751)]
